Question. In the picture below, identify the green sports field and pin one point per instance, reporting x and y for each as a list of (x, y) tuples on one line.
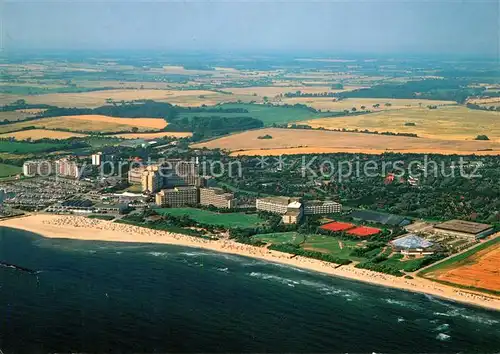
[(312, 242), (330, 244), (209, 217), (281, 237)]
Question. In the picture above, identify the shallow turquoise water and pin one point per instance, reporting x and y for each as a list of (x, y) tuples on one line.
[(98, 296)]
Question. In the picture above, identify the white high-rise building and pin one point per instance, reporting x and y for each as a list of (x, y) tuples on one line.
[(97, 159)]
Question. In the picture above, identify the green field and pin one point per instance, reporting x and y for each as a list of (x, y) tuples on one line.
[(209, 217), (281, 237), (312, 242), (266, 113), (14, 147), (9, 170), (330, 244)]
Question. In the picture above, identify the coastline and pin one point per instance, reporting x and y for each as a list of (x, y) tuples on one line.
[(82, 228)]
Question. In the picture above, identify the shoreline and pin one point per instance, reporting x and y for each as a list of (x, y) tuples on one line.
[(82, 228)]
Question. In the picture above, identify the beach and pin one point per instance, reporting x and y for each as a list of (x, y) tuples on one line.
[(82, 228)]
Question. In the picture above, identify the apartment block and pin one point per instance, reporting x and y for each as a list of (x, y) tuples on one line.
[(70, 168), (98, 159), (151, 180), (314, 207), (38, 168), (177, 197), (176, 172), (217, 197), (294, 213), (135, 174), (276, 205)]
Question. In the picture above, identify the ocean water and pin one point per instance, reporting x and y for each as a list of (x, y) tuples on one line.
[(115, 297)]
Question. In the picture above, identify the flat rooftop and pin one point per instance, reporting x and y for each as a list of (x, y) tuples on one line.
[(319, 202), (277, 200), (463, 226)]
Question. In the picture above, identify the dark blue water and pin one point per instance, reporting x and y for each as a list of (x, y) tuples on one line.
[(98, 296)]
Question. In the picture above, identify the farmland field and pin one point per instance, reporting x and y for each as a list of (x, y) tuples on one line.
[(13, 116), (9, 170), (328, 103), (37, 134), (95, 123), (93, 99), (268, 114), (15, 147), (477, 268), (214, 218), (299, 141), (449, 123)]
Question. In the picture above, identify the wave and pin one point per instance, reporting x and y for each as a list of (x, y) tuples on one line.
[(159, 254), (401, 303), (223, 270), (401, 319), (443, 327), (330, 290), (456, 312), (276, 278), (443, 337), (211, 254)]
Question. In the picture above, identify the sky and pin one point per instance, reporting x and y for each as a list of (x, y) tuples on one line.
[(368, 26)]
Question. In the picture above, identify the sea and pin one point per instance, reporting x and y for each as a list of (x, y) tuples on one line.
[(87, 296)]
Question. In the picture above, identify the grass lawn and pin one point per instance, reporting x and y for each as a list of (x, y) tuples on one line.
[(266, 113), (9, 170), (281, 237), (408, 265), (330, 244), (214, 218)]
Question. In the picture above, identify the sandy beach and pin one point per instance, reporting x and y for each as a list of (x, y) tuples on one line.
[(77, 227)]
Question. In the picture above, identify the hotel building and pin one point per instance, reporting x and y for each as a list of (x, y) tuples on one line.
[(313, 207), (217, 197), (177, 197), (278, 205)]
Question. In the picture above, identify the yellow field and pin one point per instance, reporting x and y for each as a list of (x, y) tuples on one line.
[(95, 123), (296, 141), (328, 103), (484, 101), (36, 134), (98, 98), (150, 136), (451, 123)]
